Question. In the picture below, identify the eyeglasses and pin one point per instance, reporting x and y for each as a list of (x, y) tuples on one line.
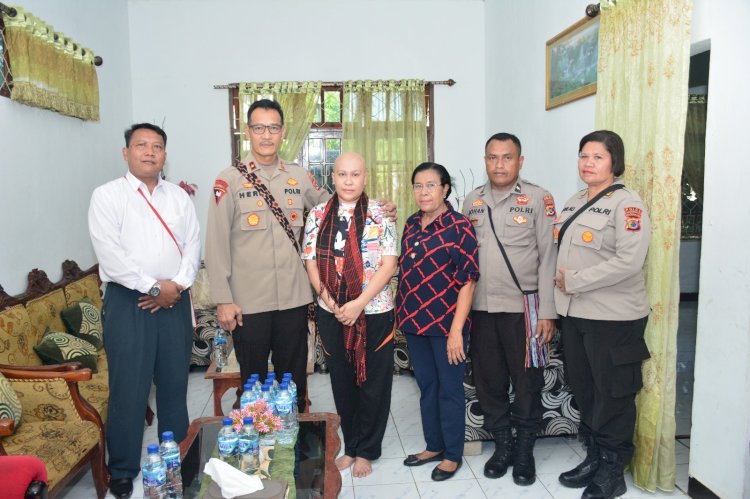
[(261, 129), (428, 187)]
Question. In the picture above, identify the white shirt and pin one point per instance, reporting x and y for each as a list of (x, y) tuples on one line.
[(132, 246)]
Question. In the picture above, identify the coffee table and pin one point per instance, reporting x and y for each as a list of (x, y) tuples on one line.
[(315, 472)]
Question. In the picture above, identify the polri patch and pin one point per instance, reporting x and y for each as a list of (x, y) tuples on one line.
[(520, 219), (549, 206), (523, 200), (633, 218), (220, 188)]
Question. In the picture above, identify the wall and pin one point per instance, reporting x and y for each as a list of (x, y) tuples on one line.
[(49, 163), (719, 454), (517, 33), (179, 51)]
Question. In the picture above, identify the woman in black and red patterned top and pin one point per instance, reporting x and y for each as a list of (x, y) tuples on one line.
[(438, 271)]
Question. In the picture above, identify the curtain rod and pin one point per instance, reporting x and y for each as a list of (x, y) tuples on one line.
[(449, 82)]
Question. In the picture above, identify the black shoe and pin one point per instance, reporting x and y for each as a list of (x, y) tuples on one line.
[(439, 475), (524, 467), (608, 482), (413, 460), (121, 488), (581, 475), (497, 465)]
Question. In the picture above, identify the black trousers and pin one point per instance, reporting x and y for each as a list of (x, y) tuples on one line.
[(498, 352), (283, 335), (143, 348), (363, 409), (603, 366)]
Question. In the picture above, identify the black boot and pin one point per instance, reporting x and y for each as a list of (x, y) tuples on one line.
[(608, 482), (524, 469), (581, 475), (498, 464)]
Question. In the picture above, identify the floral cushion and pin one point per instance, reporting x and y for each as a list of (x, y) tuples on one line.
[(87, 287), (96, 390), (57, 347), (45, 311), (84, 321), (17, 338), (10, 406)]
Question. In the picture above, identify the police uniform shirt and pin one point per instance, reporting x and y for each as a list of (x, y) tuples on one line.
[(522, 216), (603, 251), (249, 258)]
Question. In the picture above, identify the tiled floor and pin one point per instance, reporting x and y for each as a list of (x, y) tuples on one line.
[(391, 479)]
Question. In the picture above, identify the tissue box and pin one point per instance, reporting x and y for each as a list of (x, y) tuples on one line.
[(272, 489)]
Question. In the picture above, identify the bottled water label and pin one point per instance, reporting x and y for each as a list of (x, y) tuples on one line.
[(227, 446), (248, 446), (172, 458), (154, 476), (284, 407)]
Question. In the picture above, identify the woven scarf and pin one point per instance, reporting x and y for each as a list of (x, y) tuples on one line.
[(349, 286)]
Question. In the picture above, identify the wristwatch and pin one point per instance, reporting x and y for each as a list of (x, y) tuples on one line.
[(155, 289)]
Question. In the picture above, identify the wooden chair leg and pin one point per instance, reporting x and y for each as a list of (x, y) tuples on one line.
[(149, 415), (100, 473)]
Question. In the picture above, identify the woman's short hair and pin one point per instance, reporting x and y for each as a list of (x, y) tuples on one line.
[(445, 178), (613, 143)]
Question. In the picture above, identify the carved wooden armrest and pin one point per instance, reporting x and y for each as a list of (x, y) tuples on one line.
[(7, 427), (67, 372), (66, 366)]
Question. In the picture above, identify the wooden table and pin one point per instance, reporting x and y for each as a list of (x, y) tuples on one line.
[(200, 442), (226, 378)]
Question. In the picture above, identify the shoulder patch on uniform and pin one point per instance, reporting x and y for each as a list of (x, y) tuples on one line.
[(549, 206), (220, 188), (477, 202), (633, 218), (313, 181)]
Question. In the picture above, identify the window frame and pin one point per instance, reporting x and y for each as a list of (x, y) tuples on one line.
[(7, 75)]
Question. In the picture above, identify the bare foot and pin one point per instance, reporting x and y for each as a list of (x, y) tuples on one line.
[(362, 467), (447, 465), (344, 462), (426, 454)]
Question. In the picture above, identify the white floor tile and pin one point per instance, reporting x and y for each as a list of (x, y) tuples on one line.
[(505, 487), (386, 471), (412, 444), (346, 477), (681, 477), (392, 448), (390, 491), (408, 425), (454, 489), (346, 493), (634, 492), (556, 489), (555, 457), (390, 427)]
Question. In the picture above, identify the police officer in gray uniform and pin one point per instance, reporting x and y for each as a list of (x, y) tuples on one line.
[(601, 295), (522, 215)]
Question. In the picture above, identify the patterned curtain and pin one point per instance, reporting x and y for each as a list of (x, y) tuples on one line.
[(385, 122), (644, 56), (50, 70), (298, 101), (695, 143)]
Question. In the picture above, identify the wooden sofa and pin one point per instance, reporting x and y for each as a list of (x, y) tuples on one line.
[(64, 405)]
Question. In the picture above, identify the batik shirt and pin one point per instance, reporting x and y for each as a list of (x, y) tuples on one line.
[(378, 240)]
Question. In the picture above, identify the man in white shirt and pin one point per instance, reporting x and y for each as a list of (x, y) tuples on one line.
[(145, 234)]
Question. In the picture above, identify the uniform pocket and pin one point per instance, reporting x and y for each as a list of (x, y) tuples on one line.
[(293, 209), (518, 229), (627, 377), (588, 230), (254, 215)]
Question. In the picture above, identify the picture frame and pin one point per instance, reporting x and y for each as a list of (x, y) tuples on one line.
[(572, 63)]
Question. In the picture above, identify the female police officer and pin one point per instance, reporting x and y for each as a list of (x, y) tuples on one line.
[(603, 235)]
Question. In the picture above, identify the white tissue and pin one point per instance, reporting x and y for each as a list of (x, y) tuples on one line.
[(233, 482)]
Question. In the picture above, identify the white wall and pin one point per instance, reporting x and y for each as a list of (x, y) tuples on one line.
[(50, 163), (719, 453), (517, 33), (179, 51)]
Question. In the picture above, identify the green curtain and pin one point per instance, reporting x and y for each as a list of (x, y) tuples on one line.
[(695, 143), (51, 73), (385, 122), (298, 100), (644, 57)]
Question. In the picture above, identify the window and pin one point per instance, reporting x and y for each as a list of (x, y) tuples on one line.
[(323, 143), (5, 77)]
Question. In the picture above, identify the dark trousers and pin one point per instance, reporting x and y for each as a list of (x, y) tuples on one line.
[(143, 348), (283, 335), (603, 366), (363, 409), (498, 352), (442, 402)]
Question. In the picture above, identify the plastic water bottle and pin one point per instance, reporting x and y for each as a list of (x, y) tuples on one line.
[(220, 348), (170, 453), (266, 394), (228, 442), (272, 377), (293, 392), (248, 397), (249, 448), (284, 407), (154, 474)]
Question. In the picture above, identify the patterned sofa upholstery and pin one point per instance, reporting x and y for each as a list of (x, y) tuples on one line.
[(560, 416), (64, 405)]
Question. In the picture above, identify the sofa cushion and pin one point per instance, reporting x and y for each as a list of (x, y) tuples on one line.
[(17, 338), (96, 390), (10, 406), (84, 321), (86, 287), (57, 347), (45, 311)]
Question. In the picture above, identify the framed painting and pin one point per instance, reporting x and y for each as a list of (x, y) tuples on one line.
[(571, 63)]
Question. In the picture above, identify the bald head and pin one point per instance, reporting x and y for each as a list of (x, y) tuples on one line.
[(349, 176)]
